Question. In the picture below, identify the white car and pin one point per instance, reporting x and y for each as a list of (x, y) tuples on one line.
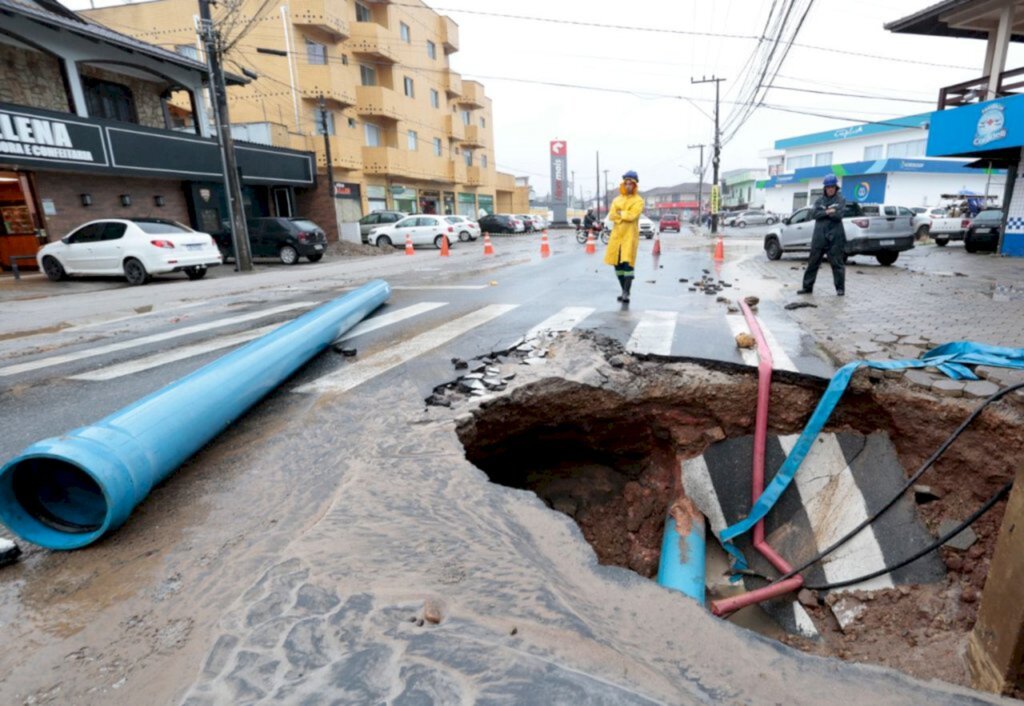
[(646, 226), (422, 230), (517, 222), (466, 228), (136, 248)]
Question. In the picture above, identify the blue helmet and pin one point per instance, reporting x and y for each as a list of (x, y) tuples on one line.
[(830, 180), (631, 175)]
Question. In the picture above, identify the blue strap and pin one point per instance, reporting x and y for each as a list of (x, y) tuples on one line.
[(951, 359)]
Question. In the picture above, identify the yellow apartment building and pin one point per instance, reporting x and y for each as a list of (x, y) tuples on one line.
[(406, 132)]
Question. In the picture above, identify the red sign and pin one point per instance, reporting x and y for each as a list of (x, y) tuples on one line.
[(676, 204), (557, 147)]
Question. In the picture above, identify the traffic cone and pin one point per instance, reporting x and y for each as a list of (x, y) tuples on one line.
[(444, 246), (408, 245), (591, 244), (720, 250), (657, 244), (488, 248), (545, 248)]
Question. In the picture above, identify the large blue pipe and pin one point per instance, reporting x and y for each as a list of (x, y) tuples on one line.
[(68, 491), (682, 564)]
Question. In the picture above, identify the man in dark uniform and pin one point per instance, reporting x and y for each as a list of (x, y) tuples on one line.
[(829, 237)]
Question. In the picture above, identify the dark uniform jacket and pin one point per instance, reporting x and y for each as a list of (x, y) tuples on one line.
[(828, 227)]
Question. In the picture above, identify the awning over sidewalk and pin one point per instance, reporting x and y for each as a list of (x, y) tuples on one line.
[(880, 166)]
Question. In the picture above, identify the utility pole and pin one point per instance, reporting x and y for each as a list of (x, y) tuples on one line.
[(607, 203), (700, 183), (232, 178), (327, 147), (597, 185), (718, 147)]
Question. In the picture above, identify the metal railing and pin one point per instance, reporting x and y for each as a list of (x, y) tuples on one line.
[(976, 90)]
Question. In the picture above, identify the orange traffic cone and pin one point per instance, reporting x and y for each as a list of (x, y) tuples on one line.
[(591, 244), (444, 246), (719, 250), (408, 245), (657, 244), (545, 248), (488, 248)]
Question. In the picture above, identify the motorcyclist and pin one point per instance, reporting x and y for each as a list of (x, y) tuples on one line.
[(829, 237), (589, 219)]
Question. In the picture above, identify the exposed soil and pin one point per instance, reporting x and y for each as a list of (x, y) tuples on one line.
[(607, 455), (344, 248)]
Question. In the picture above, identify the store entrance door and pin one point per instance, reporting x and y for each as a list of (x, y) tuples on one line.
[(19, 221)]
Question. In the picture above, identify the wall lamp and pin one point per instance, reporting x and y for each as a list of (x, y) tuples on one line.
[(86, 199), (126, 199), (159, 201)]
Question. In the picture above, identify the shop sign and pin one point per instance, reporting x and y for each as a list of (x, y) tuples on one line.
[(974, 129), (346, 191), (35, 138), (715, 198)]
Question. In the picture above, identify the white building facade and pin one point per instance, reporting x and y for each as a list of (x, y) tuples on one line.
[(875, 162)]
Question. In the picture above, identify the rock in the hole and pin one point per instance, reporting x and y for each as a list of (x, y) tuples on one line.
[(848, 610), (745, 340), (618, 361), (437, 400), (962, 541), (433, 610), (9, 552), (807, 598), (479, 369), (752, 301)]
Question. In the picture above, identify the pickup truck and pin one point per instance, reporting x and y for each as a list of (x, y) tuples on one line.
[(943, 228), (880, 230)]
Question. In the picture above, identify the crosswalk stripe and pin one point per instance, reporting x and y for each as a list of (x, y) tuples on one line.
[(780, 359), (738, 325), (834, 506), (146, 340), (654, 333), (564, 320), (392, 317), (355, 374)]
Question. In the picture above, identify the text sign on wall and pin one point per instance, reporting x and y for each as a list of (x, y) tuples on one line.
[(37, 138), (559, 182)]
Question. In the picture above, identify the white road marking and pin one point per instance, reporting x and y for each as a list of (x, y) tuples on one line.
[(654, 333), (392, 317), (698, 486), (804, 625), (834, 506), (355, 374), (564, 320), (153, 312), (146, 340), (439, 286), (738, 325), (780, 359)]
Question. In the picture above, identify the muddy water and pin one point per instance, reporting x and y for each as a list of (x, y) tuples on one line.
[(291, 564)]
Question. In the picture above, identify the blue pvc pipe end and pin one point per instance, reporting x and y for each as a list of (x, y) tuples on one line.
[(682, 564)]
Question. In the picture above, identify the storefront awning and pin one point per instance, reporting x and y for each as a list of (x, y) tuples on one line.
[(982, 130), (880, 166)]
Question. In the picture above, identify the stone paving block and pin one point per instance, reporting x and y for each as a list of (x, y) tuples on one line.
[(980, 388), (919, 377), (949, 388)]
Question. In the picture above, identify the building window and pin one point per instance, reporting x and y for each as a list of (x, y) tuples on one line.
[(483, 161), (823, 159), (435, 98), (188, 50), (403, 29), (467, 156), (874, 152), (438, 149), (319, 116), (483, 121), (466, 118), (793, 163), (363, 13), (373, 135), (409, 88), (911, 148), (412, 140), (431, 49), (351, 122), (367, 75), (316, 53), (105, 99)]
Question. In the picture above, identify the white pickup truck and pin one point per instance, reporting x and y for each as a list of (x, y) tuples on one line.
[(883, 231), (943, 227)]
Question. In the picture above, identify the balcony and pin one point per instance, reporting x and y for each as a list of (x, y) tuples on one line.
[(475, 176), (316, 14), (976, 90), (454, 127), (472, 94), (457, 172), (378, 102), (425, 165), (372, 40), (385, 160), (474, 136), (506, 182), (452, 84), (449, 32), (328, 80)]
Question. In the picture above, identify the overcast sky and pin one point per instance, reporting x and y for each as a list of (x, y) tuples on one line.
[(650, 134)]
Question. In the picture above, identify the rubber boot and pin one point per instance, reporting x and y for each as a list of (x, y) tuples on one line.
[(626, 286)]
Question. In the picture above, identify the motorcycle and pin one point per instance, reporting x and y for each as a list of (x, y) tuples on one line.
[(597, 229)]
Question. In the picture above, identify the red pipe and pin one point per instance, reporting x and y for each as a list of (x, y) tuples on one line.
[(765, 363)]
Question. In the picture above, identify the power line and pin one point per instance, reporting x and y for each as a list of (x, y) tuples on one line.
[(852, 95), (886, 58), (845, 117)]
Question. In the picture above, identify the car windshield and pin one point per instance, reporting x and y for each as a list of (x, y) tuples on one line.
[(991, 215), (162, 227), (305, 224)]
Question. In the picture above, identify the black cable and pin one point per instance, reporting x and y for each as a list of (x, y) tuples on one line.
[(910, 482), (930, 548)]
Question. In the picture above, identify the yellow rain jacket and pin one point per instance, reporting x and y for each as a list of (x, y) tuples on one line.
[(624, 213)]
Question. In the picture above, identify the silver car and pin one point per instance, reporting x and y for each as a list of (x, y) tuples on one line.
[(753, 218)]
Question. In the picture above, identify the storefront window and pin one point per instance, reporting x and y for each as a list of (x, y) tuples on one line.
[(486, 202), (404, 198), (467, 205), (377, 198)]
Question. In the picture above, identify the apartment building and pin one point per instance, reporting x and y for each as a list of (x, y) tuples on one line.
[(406, 132)]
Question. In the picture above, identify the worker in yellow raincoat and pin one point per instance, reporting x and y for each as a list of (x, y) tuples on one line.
[(624, 214)]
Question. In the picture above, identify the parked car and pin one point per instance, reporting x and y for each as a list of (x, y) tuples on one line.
[(728, 218), (517, 223), (376, 219), (871, 229), (466, 228), (943, 226), (983, 232), (422, 230), (752, 218), (136, 248), (285, 238), (645, 224), (496, 223), (539, 222), (529, 225), (670, 221)]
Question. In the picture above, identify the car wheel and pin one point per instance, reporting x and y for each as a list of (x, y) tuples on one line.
[(288, 254), (135, 272), (941, 242), (53, 269), (464, 236), (383, 241), (969, 245), (922, 232), (195, 273), (772, 249), (741, 224), (316, 258), (886, 258), (770, 221), (439, 240)]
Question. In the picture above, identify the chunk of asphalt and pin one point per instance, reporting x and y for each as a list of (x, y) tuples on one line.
[(460, 364), (9, 552), (926, 493), (348, 352), (847, 611), (962, 541), (800, 305)]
